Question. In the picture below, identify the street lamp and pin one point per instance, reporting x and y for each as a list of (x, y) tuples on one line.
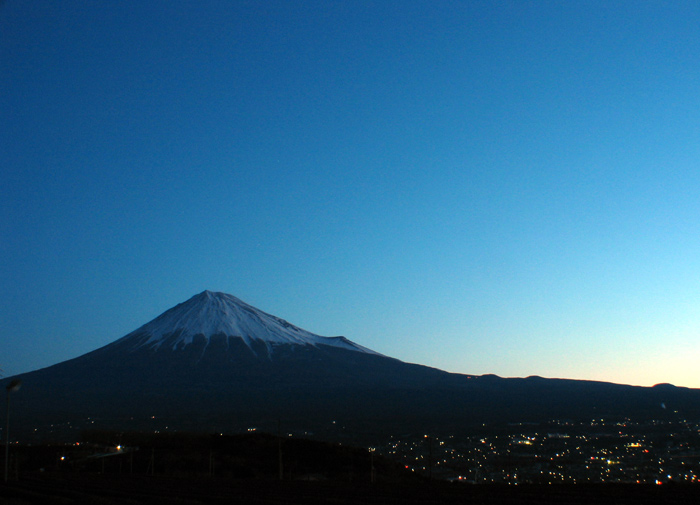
[(11, 388)]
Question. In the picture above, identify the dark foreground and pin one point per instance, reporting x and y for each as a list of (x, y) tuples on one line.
[(66, 489)]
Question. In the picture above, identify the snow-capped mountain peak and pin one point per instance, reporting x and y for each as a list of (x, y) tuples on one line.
[(213, 313)]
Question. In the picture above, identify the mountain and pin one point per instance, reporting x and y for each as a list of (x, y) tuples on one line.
[(215, 363), (209, 315)]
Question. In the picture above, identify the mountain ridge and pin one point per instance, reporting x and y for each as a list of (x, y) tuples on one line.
[(214, 363)]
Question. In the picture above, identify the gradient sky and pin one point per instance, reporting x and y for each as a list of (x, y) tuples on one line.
[(505, 187)]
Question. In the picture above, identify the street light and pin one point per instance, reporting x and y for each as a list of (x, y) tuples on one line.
[(11, 388)]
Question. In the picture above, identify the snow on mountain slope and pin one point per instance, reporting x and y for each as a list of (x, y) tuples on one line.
[(212, 313)]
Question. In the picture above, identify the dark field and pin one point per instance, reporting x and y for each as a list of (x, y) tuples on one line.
[(135, 490)]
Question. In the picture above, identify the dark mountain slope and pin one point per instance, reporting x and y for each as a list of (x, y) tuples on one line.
[(188, 369)]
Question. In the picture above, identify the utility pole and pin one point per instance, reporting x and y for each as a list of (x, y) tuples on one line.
[(152, 465), (430, 457), (279, 448), (11, 388)]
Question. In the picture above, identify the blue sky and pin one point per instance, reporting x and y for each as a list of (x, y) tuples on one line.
[(484, 187)]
